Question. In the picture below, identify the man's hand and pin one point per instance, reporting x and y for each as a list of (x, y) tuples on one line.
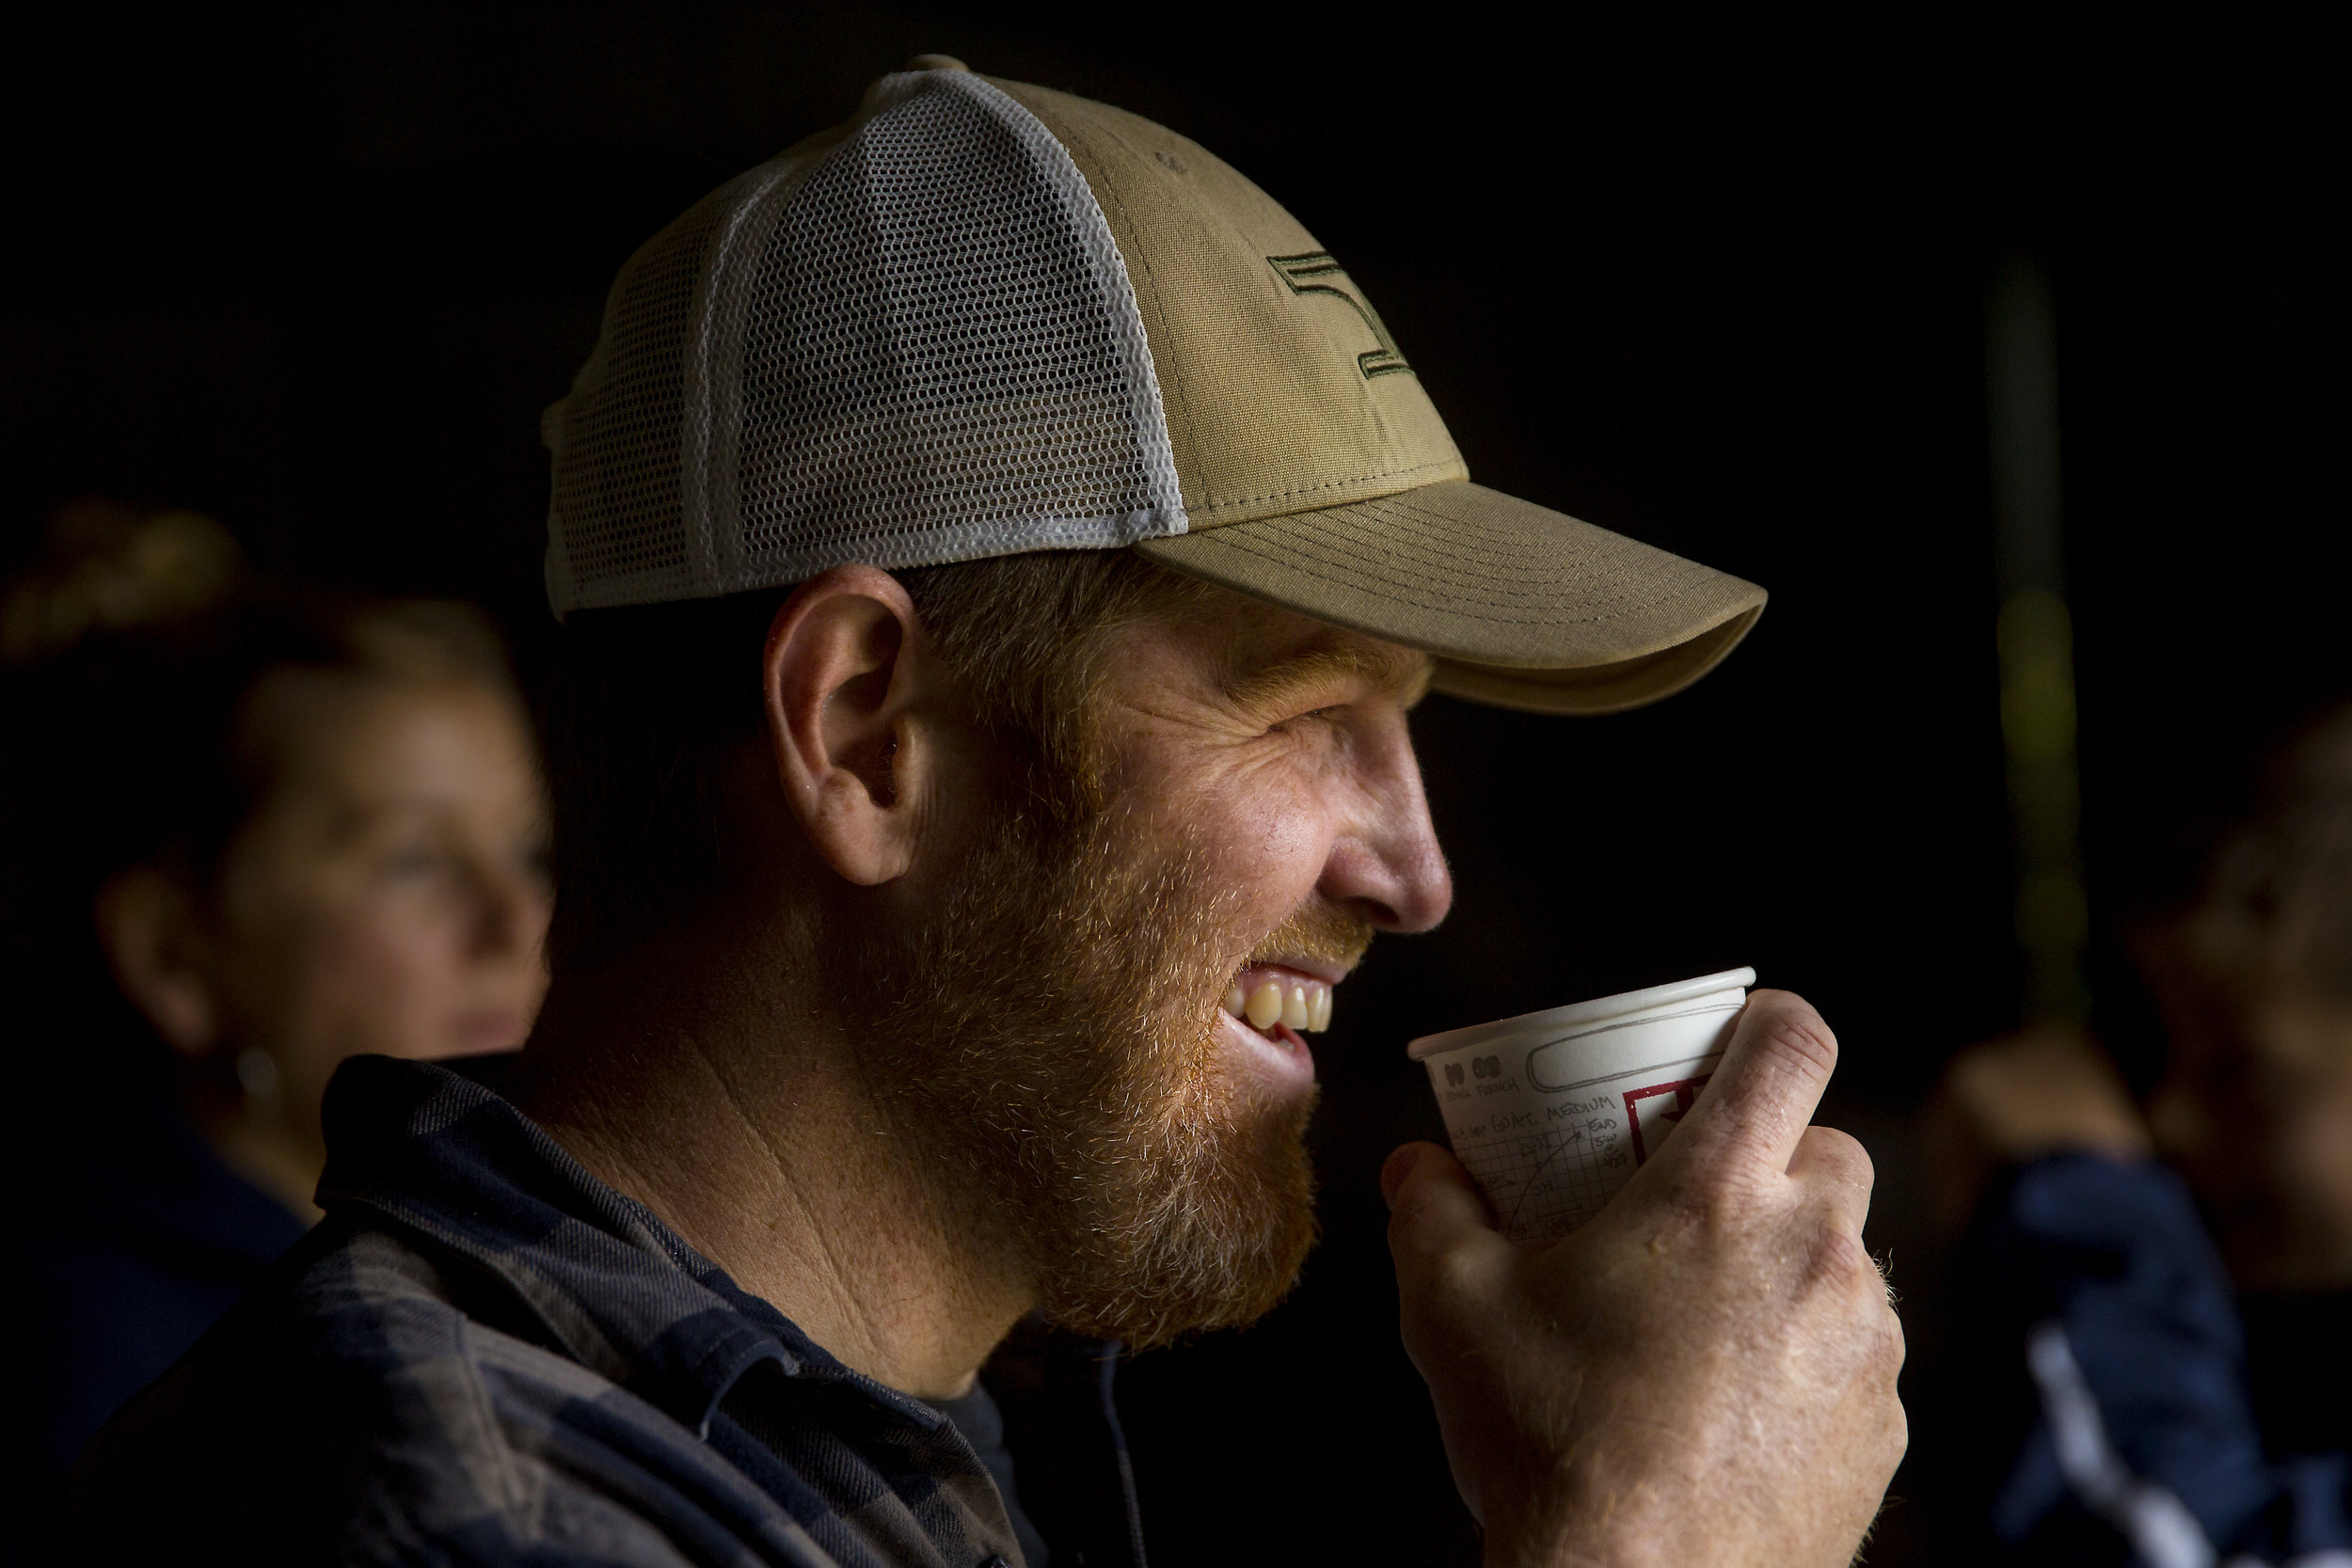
[(1703, 1374)]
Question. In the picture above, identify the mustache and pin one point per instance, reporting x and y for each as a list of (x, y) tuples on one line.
[(1321, 932)]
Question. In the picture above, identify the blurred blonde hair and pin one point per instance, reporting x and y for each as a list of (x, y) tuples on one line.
[(107, 566)]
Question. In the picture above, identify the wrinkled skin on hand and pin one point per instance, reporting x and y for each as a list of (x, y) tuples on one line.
[(1702, 1374)]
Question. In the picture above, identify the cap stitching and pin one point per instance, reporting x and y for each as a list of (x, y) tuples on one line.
[(1192, 428), (1328, 484), (1370, 566), (1406, 599), (1402, 505), (1466, 538), (1343, 548)]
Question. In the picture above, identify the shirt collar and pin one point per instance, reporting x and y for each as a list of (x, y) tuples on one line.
[(438, 1156)]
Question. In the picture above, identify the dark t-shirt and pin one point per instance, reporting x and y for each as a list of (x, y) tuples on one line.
[(134, 1238), (2134, 1408)]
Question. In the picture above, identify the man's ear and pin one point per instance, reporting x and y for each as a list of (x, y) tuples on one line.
[(154, 939), (844, 668)]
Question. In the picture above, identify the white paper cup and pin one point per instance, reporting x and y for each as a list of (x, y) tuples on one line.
[(1552, 1110)]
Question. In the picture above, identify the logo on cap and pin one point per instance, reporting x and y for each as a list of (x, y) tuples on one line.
[(1316, 272)]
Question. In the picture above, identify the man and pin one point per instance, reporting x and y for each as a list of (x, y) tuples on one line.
[(1000, 551)]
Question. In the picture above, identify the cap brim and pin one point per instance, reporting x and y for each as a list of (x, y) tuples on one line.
[(1523, 605)]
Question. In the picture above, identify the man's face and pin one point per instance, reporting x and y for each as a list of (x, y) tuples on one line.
[(1062, 1030), (1270, 750)]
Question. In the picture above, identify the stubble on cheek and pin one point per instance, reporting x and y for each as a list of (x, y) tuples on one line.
[(1057, 1038)]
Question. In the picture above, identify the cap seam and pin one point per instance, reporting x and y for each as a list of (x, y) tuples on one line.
[(1101, 173), (1498, 573), (1328, 484), (1402, 501), (1404, 596), (1452, 612), (1501, 581), (1430, 514), (1464, 544)]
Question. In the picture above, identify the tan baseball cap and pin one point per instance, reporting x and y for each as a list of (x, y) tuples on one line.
[(984, 318)]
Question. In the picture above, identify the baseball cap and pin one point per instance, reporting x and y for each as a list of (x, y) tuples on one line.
[(984, 318)]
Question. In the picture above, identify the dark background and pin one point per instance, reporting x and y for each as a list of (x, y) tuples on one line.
[(316, 270)]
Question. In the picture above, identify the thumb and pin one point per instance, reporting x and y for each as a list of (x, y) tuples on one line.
[(1439, 1232)]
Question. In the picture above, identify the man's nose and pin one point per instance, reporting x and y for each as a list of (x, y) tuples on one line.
[(1387, 867)]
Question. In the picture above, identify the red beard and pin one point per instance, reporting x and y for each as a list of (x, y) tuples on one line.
[(1048, 1045)]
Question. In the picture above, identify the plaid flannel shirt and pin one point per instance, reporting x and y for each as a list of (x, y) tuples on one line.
[(484, 1355)]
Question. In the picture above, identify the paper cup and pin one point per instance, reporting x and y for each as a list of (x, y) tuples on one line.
[(1553, 1111)]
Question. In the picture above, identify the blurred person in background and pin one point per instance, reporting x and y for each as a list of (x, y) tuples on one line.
[(2164, 1289), (252, 834)]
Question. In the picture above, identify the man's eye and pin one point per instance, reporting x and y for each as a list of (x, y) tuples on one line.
[(1311, 717)]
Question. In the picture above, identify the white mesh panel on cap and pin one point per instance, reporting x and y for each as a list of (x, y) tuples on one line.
[(917, 345)]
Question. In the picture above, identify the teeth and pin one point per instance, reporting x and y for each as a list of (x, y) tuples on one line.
[(1268, 997)]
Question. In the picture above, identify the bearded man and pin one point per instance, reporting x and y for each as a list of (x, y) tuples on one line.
[(1000, 551)]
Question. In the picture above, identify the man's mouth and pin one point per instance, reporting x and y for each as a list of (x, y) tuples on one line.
[(1272, 998)]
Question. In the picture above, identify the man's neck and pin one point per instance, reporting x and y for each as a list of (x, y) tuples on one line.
[(736, 1117)]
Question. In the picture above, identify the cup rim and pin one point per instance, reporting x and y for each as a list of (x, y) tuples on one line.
[(1578, 1015)]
